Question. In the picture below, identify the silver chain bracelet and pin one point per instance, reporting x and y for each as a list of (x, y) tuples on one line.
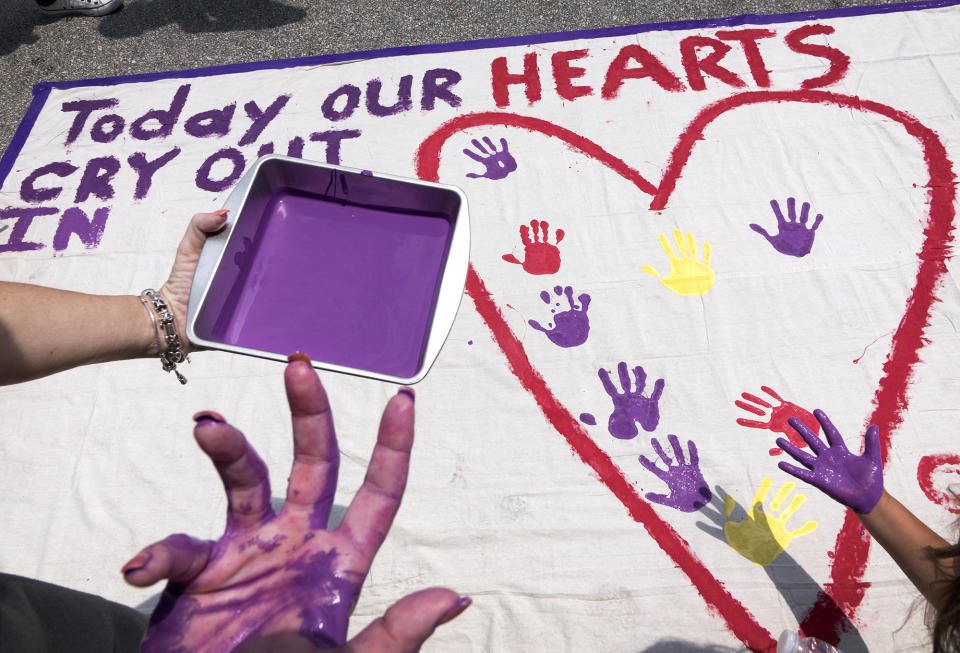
[(173, 352)]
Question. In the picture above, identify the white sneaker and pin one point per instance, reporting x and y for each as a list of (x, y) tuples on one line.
[(82, 7)]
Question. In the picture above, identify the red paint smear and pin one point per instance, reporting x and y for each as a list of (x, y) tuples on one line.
[(718, 599), (858, 359), (925, 470), (428, 154), (845, 591)]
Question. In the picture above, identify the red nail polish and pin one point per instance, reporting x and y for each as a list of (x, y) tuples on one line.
[(455, 611), (299, 356), (139, 561), (208, 416)]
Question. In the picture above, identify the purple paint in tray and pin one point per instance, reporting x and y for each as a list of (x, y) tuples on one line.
[(344, 266)]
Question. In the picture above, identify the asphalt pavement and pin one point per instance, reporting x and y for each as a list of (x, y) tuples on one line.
[(162, 35)]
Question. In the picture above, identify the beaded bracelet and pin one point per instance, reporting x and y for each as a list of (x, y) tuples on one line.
[(173, 352)]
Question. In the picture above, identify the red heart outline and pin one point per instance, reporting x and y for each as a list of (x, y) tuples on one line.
[(849, 557)]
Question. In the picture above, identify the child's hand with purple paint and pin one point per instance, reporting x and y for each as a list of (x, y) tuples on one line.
[(688, 491), (855, 481), (631, 406), (793, 237), (497, 163), (283, 581)]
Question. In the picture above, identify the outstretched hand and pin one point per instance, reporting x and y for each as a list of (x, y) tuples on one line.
[(176, 290), (855, 481), (283, 581)]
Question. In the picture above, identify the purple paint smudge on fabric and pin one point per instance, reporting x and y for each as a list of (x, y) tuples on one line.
[(96, 179), (436, 86), (24, 218), (497, 164), (231, 154), (146, 168), (166, 118), (588, 418), (403, 103), (75, 221), (107, 128), (84, 108), (30, 193), (329, 109), (793, 237), (215, 122), (688, 489), (631, 406), (570, 328), (260, 119), (333, 138)]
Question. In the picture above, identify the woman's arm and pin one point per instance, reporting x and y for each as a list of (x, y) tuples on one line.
[(46, 330)]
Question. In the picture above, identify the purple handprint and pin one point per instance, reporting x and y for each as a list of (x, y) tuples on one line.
[(688, 491), (497, 163), (793, 237), (855, 481), (630, 406), (571, 327)]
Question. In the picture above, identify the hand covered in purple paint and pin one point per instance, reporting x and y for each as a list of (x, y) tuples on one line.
[(855, 481), (688, 491), (497, 163), (283, 581), (631, 406), (793, 237), (176, 290), (571, 327)]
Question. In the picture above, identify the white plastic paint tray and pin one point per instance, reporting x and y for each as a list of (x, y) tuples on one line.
[(362, 271)]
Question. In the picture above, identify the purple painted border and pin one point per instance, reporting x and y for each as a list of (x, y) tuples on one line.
[(42, 90)]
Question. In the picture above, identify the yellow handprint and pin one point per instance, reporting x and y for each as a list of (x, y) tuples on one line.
[(688, 276), (762, 537)]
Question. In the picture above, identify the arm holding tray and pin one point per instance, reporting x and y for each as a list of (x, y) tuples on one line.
[(47, 330)]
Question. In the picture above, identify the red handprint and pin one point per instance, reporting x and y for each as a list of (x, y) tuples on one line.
[(777, 421), (539, 256)]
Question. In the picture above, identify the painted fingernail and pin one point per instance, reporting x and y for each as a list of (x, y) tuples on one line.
[(139, 561), (222, 212), (207, 416), (455, 611), (299, 356), (409, 392)]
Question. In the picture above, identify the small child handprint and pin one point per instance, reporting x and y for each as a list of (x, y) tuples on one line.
[(777, 420), (688, 276), (761, 537), (497, 163), (539, 256), (571, 327), (688, 490), (793, 237), (630, 406)]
